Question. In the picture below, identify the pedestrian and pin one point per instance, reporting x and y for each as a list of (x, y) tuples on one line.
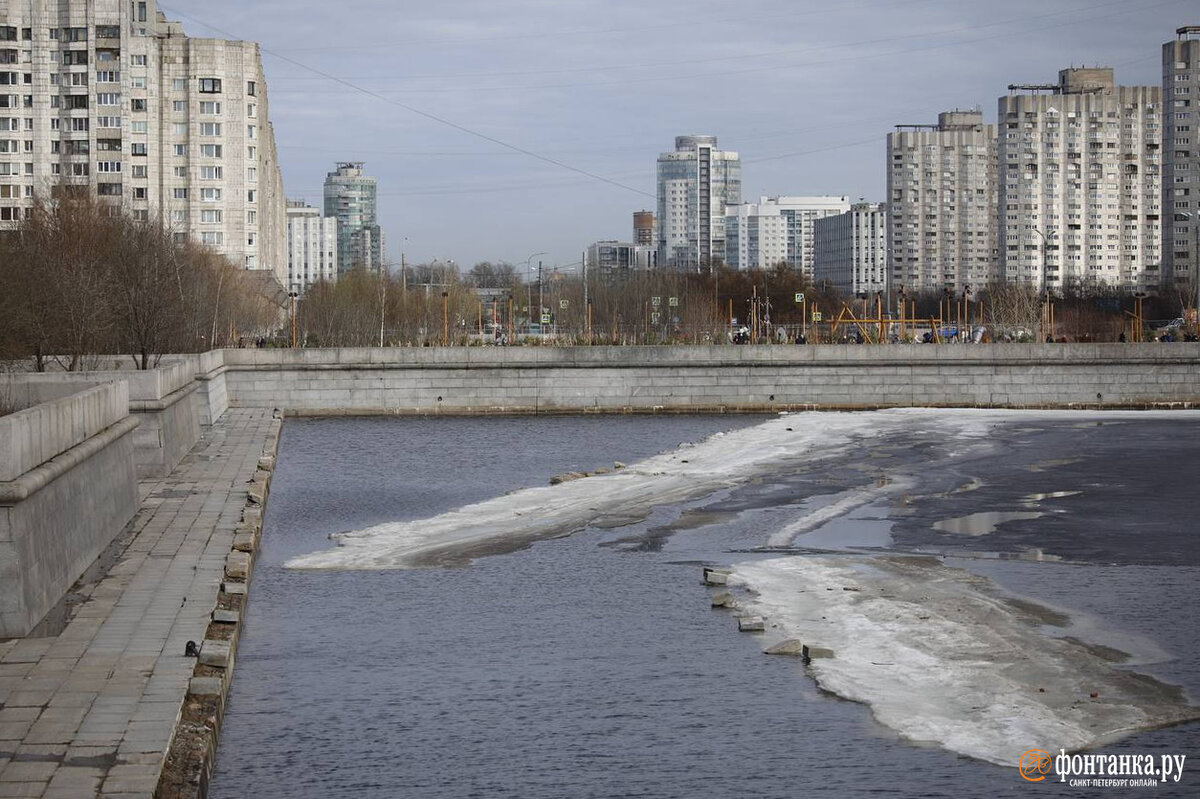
[(1121, 338)]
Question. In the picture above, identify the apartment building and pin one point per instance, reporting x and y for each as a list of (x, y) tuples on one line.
[(616, 259), (1079, 182), (1181, 164), (942, 195), (110, 95), (696, 183), (312, 246), (851, 249), (777, 230), (351, 196)]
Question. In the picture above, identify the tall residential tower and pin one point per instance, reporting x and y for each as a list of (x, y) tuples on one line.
[(695, 184), (942, 203), (1181, 163), (350, 196), (1080, 183)]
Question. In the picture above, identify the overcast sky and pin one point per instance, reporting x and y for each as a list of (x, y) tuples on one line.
[(805, 91)]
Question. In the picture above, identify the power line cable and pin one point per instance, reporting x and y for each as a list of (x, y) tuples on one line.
[(420, 112)]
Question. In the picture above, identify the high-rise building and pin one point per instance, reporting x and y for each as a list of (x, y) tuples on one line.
[(350, 197), (1181, 163), (110, 95), (1079, 183), (776, 230), (942, 203), (312, 246), (645, 230), (695, 184), (851, 249)]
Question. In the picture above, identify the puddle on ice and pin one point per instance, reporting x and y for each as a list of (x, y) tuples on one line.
[(983, 523)]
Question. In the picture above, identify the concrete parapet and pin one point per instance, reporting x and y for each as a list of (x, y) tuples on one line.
[(160, 398), (67, 487), (473, 380)]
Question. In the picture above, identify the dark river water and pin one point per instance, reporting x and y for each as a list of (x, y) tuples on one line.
[(592, 665)]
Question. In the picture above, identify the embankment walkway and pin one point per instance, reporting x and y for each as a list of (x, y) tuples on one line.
[(91, 711)]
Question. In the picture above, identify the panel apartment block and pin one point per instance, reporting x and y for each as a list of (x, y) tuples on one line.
[(108, 94), (942, 203), (312, 246), (1080, 183), (851, 249), (1181, 164), (777, 230)]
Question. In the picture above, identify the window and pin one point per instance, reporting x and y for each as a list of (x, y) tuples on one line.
[(138, 60), (251, 196), (252, 153), (108, 98), (251, 175), (210, 107), (211, 173), (108, 166), (210, 85), (252, 217), (139, 171), (180, 194), (210, 195), (79, 79), (108, 145), (141, 12), (180, 128), (179, 105), (210, 217), (179, 84), (73, 58), (137, 127), (181, 172), (108, 76), (76, 102), (108, 122), (138, 104), (251, 88), (138, 81), (79, 125), (179, 217), (210, 150), (251, 132), (251, 109), (210, 128), (213, 238), (181, 150), (139, 192), (137, 148), (108, 31)]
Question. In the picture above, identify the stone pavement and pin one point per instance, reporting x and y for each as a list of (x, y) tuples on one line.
[(91, 711)]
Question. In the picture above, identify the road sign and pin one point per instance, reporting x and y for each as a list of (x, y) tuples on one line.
[(673, 302), (817, 316), (656, 301), (564, 304), (654, 318), (545, 319), (799, 296)]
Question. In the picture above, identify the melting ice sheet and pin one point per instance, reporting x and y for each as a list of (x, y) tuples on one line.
[(940, 655), (694, 470)]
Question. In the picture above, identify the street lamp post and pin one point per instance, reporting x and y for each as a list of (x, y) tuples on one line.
[(528, 288)]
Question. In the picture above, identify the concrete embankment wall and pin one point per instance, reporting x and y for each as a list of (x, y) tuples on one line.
[(718, 378), (161, 399), (68, 485)]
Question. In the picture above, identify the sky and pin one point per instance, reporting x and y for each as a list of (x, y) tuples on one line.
[(499, 129)]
